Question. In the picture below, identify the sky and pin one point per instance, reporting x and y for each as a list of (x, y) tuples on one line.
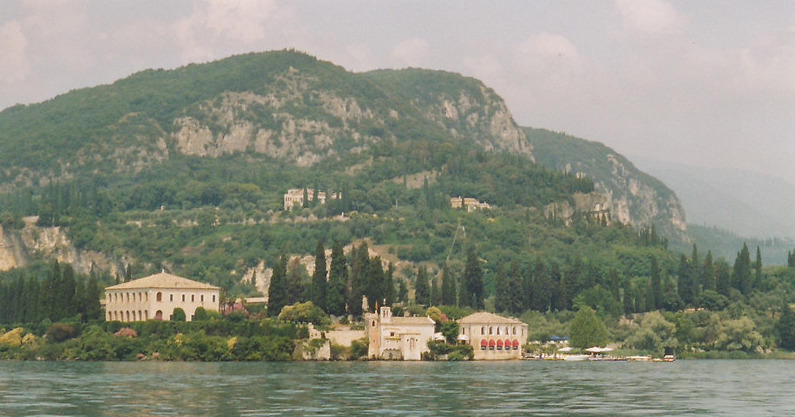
[(703, 83)]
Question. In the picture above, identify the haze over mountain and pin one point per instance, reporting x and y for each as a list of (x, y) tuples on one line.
[(747, 203)]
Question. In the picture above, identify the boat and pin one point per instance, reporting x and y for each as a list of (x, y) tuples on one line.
[(576, 358)]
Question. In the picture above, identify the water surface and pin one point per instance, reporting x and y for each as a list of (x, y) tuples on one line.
[(704, 387)]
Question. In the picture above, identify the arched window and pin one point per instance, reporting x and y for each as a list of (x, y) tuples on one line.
[(146, 314), (193, 298), (514, 329), (159, 315), (213, 297), (491, 330), (183, 298), (171, 297), (483, 330), (202, 297), (128, 297), (498, 330), (146, 296), (128, 316), (159, 296)]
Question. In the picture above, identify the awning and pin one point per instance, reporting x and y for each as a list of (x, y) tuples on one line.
[(463, 337), (491, 343), (483, 342), (597, 349), (499, 343), (515, 342)]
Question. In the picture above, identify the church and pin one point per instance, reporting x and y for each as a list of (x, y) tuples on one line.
[(156, 297), (403, 338)]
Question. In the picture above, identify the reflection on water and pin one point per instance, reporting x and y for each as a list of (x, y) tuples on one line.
[(391, 388)]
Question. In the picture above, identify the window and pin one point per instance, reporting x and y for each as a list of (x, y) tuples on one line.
[(202, 297), (490, 330), (183, 298), (514, 329), (193, 298), (483, 330), (159, 296), (128, 297), (498, 330), (213, 297), (171, 297)]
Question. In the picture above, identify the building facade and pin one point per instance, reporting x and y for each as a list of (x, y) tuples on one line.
[(403, 338), (493, 337), (295, 197), (156, 297)]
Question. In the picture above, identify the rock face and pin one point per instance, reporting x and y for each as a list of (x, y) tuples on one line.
[(632, 196), (18, 246)]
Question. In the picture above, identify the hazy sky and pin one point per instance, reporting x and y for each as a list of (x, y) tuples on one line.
[(708, 83)]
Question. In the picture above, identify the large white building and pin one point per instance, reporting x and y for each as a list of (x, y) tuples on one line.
[(156, 297), (493, 337), (397, 337)]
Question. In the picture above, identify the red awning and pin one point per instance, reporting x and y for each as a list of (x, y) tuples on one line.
[(507, 342), (499, 342), (483, 342), (515, 342), (491, 343)]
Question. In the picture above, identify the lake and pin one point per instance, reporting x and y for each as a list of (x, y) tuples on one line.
[(694, 387)]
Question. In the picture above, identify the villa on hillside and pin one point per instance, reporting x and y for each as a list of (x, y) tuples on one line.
[(156, 297), (295, 197), (493, 337), (468, 203), (403, 338)]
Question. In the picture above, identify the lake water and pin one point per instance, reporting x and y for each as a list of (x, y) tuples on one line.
[(703, 387)]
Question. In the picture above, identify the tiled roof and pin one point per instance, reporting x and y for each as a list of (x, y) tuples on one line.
[(412, 320), (163, 280), (483, 317)]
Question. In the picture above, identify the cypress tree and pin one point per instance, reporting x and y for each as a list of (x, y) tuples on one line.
[(708, 274), (515, 288), (695, 276), (436, 292), (277, 291), (337, 280), (421, 289), (318, 293), (742, 271), (685, 286), (502, 298), (785, 327), (542, 289), (361, 260), (656, 285), (757, 269), (389, 286), (472, 288), (93, 310), (448, 286), (374, 283), (723, 282), (629, 304)]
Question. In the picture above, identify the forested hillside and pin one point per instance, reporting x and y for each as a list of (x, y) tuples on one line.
[(185, 170)]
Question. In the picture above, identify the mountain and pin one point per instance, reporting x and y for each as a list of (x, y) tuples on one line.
[(283, 105), (746, 203), (633, 196), (186, 170)]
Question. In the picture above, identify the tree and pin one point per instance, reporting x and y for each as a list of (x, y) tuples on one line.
[(785, 328), (277, 291), (741, 278), (448, 286), (757, 269), (656, 284), (708, 274), (515, 287), (472, 287), (686, 284), (422, 292), (296, 274), (587, 330), (389, 286), (338, 277), (317, 292), (723, 281), (542, 287), (178, 315), (502, 297)]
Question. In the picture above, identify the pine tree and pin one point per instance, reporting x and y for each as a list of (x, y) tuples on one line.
[(277, 291), (785, 327), (421, 289), (337, 280), (318, 293)]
